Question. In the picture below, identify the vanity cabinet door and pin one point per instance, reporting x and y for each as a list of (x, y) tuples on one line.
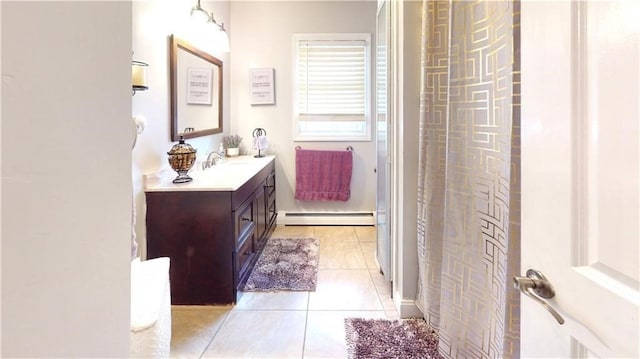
[(245, 234), (244, 256), (245, 220), (193, 229)]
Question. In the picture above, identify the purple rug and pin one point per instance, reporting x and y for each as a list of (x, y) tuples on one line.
[(285, 264), (383, 338)]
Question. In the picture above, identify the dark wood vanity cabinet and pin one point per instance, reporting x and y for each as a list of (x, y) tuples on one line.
[(212, 237)]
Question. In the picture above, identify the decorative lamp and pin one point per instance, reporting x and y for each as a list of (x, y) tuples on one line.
[(181, 158), (198, 14), (139, 76)]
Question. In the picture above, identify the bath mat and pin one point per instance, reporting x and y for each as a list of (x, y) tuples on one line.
[(285, 264), (383, 338)]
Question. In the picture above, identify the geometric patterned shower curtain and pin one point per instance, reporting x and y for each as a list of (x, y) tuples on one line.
[(469, 176)]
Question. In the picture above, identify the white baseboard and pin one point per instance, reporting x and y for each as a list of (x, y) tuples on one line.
[(326, 218), (407, 308)]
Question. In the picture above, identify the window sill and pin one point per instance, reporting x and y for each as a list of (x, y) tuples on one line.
[(301, 138)]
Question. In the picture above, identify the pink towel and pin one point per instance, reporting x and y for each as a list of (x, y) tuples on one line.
[(323, 175)]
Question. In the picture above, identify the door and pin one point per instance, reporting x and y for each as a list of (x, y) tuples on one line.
[(383, 252), (580, 171)]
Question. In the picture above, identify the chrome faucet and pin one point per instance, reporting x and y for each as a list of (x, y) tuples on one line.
[(212, 159)]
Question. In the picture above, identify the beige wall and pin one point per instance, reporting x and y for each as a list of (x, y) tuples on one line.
[(261, 36), (66, 179)]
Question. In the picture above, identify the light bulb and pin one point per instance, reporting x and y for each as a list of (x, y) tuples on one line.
[(222, 40)]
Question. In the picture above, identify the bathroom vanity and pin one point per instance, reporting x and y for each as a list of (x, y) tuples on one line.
[(212, 228)]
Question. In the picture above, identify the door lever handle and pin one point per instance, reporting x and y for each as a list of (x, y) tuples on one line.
[(536, 286)]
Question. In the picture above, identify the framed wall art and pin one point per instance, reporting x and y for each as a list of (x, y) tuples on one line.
[(262, 86)]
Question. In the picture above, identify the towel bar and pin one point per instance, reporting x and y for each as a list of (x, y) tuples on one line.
[(349, 148)]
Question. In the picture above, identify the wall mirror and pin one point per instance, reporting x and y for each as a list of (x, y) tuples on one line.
[(196, 91)]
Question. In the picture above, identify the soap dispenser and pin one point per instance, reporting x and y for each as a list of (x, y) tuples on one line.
[(181, 158)]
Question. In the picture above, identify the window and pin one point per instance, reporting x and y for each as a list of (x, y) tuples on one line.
[(332, 87)]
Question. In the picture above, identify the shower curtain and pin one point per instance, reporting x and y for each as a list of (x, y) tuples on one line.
[(469, 168)]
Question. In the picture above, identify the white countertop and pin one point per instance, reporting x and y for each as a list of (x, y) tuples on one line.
[(229, 175)]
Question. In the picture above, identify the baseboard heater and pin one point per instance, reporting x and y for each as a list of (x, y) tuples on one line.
[(326, 218)]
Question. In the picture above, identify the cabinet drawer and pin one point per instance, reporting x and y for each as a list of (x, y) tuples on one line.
[(245, 221), (244, 253), (270, 184)]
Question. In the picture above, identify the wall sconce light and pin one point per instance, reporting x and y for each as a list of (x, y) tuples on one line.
[(139, 76), (199, 14), (138, 83)]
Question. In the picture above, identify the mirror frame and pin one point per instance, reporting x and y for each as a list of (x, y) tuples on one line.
[(176, 45)]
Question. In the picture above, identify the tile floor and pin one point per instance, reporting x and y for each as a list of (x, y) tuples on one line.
[(293, 324)]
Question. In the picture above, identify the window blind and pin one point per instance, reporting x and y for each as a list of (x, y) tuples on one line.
[(331, 80)]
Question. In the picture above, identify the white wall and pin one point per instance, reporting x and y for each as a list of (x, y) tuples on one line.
[(66, 179), (153, 22), (262, 37)]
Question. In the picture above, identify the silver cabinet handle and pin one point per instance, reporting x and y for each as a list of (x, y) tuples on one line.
[(536, 286)]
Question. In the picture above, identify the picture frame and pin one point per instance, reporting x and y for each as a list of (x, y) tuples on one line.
[(262, 86), (199, 86)]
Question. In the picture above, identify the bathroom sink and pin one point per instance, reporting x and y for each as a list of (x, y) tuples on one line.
[(229, 175), (236, 163), (226, 176)]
